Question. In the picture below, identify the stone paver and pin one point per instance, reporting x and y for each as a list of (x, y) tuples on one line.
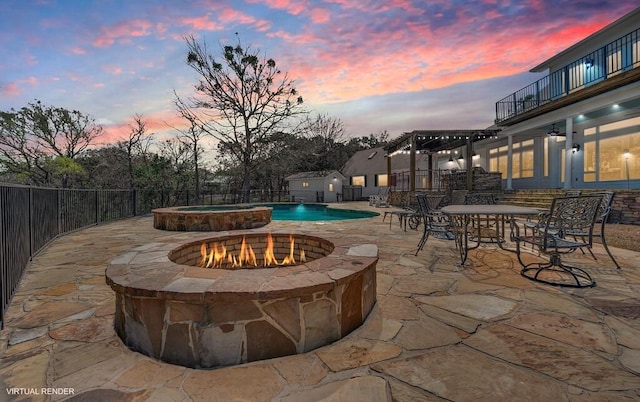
[(438, 331)]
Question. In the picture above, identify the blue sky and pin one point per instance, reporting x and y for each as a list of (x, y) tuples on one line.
[(396, 65)]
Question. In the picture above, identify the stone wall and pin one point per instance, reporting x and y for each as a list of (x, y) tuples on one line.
[(626, 207), (196, 219)]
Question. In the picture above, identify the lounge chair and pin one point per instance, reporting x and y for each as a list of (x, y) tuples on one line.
[(380, 199)]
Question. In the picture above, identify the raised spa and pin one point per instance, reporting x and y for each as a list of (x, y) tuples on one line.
[(197, 219), (171, 308)]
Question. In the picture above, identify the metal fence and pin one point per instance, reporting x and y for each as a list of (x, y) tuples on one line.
[(31, 217)]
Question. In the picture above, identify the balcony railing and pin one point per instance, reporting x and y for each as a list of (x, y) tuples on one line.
[(621, 55)]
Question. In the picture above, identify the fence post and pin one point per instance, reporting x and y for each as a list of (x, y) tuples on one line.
[(96, 206), (133, 199)]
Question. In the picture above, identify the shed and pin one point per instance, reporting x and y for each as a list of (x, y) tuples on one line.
[(317, 186)]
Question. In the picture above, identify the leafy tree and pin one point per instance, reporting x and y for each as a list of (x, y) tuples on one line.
[(242, 100), (33, 136)]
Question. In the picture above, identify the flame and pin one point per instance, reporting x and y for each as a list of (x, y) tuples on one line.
[(216, 256)]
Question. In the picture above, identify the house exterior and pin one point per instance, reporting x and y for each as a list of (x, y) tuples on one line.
[(319, 186), (579, 126), (368, 169)]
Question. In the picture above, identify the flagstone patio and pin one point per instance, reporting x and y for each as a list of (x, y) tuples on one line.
[(437, 332)]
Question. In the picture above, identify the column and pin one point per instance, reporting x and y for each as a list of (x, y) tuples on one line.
[(510, 162), (568, 154)]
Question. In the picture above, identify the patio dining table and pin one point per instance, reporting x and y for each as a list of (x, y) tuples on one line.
[(466, 221)]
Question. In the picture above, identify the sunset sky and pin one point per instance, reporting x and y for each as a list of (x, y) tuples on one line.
[(395, 65)]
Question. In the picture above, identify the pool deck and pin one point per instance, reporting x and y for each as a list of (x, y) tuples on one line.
[(439, 331)]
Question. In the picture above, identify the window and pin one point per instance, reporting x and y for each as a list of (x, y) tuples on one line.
[(331, 187), (382, 180), (305, 184), (358, 181), (522, 161), (604, 148), (545, 155)]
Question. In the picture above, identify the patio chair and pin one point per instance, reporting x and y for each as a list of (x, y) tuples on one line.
[(482, 228), (534, 225), (601, 219), (567, 214), (434, 222), (434, 201), (458, 196), (380, 199)]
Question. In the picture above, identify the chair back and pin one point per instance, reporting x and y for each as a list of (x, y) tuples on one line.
[(428, 204), (572, 193), (457, 197), (479, 199), (605, 205), (423, 205), (573, 214)]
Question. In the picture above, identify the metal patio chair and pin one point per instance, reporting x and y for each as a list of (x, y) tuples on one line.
[(433, 221), (567, 215), (604, 211)]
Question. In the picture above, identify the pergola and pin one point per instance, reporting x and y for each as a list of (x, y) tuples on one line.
[(434, 141)]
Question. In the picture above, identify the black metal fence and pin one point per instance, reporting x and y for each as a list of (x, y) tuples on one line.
[(30, 217)]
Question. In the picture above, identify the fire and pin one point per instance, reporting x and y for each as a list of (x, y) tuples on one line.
[(217, 256)]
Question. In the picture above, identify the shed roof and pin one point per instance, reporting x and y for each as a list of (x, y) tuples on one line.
[(371, 161), (318, 174)]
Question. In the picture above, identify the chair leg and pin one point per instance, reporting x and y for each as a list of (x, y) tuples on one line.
[(423, 240), (604, 243), (557, 273)]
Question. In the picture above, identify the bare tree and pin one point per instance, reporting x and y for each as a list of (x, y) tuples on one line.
[(242, 100), (192, 138), (135, 144)]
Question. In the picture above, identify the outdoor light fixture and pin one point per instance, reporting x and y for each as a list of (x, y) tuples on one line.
[(450, 158), (576, 148), (588, 63), (460, 158), (474, 155)]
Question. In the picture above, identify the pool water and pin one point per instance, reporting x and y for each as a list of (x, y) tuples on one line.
[(314, 212), (294, 212)]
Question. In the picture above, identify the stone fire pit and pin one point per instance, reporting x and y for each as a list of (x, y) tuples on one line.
[(198, 317)]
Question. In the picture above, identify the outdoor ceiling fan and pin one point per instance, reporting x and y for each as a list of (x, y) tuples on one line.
[(554, 132)]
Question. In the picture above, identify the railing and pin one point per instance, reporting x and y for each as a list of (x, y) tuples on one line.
[(425, 179), (31, 217), (614, 58)]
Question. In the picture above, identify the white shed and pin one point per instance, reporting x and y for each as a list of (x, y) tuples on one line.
[(319, 186)]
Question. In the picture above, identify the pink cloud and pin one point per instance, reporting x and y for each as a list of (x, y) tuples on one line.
[(200, 23), (157, 122), (319, 15), (230, 15), (112, 69), (123, 31), (293, 7), (10, 89)]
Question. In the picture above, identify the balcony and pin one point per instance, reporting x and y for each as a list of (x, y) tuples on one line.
[(604, 69)]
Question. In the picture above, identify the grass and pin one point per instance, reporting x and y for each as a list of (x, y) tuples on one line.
[(623, 236)]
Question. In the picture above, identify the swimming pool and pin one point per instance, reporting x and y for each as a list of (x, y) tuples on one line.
[(293, 211), (314, 212)]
